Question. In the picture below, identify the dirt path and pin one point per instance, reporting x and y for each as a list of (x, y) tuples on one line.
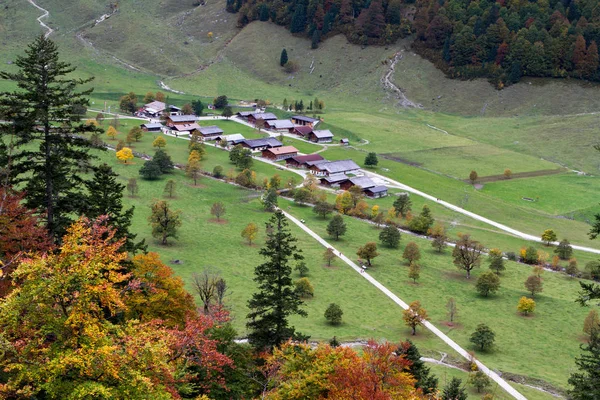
[(389, 85), (39, 19)]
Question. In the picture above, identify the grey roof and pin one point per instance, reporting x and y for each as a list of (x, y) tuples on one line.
[(282, 124), (316, 162), (264, 116), (244, 114), (269, 142), (308, 158), (345, 140), (335, 178), (187, 127), (210, 130), (334, 167), (236, 137), (378, 189), (156, 106), (152, 125), (323, 134), (183, 118), (171, 106), (363, 181), (305, 119)]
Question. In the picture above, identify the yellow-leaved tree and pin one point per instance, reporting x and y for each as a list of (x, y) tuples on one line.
[(111, 132), (159, 142), (125, 154)]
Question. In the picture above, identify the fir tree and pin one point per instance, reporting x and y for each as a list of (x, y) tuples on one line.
[(586, 382), (424, 379), (276, 299), (283, 59), (454, 390), (45, 114), (105, 195)]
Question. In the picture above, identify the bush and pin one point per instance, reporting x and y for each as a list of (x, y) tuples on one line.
[(333, 314), (511, 256), (218, 171), (291, 67)]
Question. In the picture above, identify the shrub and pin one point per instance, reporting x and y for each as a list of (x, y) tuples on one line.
[(511, 256)]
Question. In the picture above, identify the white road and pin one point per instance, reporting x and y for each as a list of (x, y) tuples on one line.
[(501, 382)]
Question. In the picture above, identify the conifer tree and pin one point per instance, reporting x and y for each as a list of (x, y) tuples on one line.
[(43, 111), (422, 373), (105, 195), (276, 299), (283, 59), (586, 382)]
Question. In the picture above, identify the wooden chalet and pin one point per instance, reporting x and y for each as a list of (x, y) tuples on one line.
[(333, 180), (280, 153), (244, 114), (261, 144), (335, 167), (156, 108), (231, 140), (303, 130), (210, 132), (304, 161), (185, 129), (173, 120), (303, 120), (253, 117), (281, 125), (361, 181), (151, 127), (321, 136)]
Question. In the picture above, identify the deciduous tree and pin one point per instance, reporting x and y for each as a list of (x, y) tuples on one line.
[(390, 236), (414, 316), (467, 254), (329, 256), (496, 261), (548, 236), (411, 252), (304, 288), (438, 234), (591, 322), (402, 204), (124, 155), (132, 187), (194, 171), (483, 337), (336, 227), (473, 177), (564, 250), (414, 271), (368, 252), (170, 188), (333, 314), (164, 221), (159, 142), (526, 305), (534, 285), (164, 162), (323, 209), (218, 210), (487, 283), (250, 232), (479, 380), (451, 309)]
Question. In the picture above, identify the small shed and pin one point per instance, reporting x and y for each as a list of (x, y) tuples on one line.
[(345, 141), (376, 191), (335, 179), (362, 181), (304, 120)]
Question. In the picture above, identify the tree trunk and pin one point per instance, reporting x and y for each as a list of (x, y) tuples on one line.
[(414, 330)]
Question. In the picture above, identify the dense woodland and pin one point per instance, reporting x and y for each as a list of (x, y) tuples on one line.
[(502, 40)]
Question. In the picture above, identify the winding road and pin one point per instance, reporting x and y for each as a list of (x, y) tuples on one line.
[(493, 375), (39, 19)]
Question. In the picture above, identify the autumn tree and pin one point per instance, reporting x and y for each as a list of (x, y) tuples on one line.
[(483, 337), (438, 234), (128, 103), (323, 209), (329, 256), (336, 227), (473, 177), (132, 187), (333, 314), (250, 232), (548, 236), (136, 133), (194, 171), (534, 285), (414, 316), (390, 237), (572, 269), (591, 322), (368, 252), (205, 286), (218, 210), (479, 380), (507, 173), (344, 202), (526, 305), (159, 142), (276, 299), (125, 154), (496, 261), (414, 271), (111, 132), (411, 253), (304, 288), (164, 221), (41, 118), (402, 204), (487, 283), (467, 254)]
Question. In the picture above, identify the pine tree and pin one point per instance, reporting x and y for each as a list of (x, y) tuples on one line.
[(424, 379), (371, 160), (586, 382), (298, 19), (276, 299), (454, 390), (105, 195), (45, 114), (283, 59)]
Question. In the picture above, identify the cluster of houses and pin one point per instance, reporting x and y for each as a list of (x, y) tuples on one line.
[(340, 173)]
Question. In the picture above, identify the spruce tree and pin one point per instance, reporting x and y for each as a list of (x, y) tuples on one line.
[(283, 59), (276, 299), (47, 134), (586, 382), (424, 379), (105, 195), (454, 390)]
